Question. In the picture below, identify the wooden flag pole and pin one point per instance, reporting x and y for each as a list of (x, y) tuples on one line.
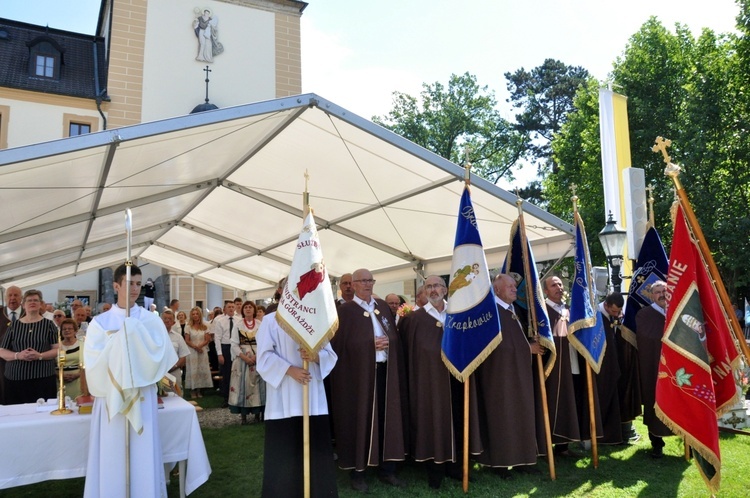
[(592, 417), (673, 171), (465, 480), (306, 386), (465, 467), (589, 377), (533, 325), (306, 432)]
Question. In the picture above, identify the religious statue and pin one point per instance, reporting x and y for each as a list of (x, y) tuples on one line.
[(206, 30)]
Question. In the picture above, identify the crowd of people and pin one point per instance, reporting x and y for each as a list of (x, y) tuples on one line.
[(388, 396)]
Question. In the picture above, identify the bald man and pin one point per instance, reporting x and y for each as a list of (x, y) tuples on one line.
[(506, 392), (367, 387)]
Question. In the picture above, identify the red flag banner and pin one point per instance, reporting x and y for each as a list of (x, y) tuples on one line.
[(696, 381)]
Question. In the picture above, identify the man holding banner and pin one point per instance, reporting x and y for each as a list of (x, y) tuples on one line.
[(506, 392), (280, 364), (294, 355)]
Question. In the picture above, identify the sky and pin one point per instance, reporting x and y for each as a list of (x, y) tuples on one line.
[(356, 53)]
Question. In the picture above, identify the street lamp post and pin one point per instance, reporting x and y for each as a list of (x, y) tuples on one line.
[(612, 238)]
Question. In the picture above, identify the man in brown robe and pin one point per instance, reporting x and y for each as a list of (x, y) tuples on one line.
[(649, 322), (366, 387), (560, 386), (506, 392), (609, 374), (435, 396)]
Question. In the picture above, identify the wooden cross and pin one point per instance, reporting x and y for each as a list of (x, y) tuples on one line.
[(661, 146)]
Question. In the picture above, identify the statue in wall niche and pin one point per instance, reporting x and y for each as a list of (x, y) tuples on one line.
[(206, 30)]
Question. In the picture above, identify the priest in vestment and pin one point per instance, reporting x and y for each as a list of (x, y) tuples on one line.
[(125, 358), (506, 392), (436, 398), (368, 387), (649, 323), (280, 364)]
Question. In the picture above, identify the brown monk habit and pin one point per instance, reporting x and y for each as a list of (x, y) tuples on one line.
[(353, 390), (649, 331), (606, 385), (506, 400), (561, 396), (435, 396)]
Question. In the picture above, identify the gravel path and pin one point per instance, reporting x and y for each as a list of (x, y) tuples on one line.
[(216, 418)]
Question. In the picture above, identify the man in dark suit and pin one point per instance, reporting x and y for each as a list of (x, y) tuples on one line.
[(12, 311)]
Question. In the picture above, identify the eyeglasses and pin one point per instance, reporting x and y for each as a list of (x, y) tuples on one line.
[(434, 286), (369, 281)]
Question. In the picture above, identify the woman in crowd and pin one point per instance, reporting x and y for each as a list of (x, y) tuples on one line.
[(197, 371), (73, 375), (247, 391), (260, 313), (181, 322), (29, 349)]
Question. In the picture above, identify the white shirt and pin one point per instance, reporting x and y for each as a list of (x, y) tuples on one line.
[(221, 331), (377, 328), (659, 309), (277, 351), (433, 312)]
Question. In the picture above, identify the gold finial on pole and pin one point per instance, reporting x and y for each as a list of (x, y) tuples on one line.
[(650, 190), (672, 170), (306, 196), (661, 146), (574, 197), (467, 166)]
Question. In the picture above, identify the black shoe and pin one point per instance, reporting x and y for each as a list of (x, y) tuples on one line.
[(657, 453), (434, 481), (503, 473), (527, 469), (569, 453), (392, 480), (359, 484)]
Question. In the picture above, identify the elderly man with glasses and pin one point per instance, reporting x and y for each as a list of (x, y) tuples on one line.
[(367, 387)]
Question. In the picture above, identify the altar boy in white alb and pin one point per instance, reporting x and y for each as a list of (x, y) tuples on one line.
[(125, 358)]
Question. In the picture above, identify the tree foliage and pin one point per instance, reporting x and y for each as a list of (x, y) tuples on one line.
[(462, 116), (693, 91), (545, 97)]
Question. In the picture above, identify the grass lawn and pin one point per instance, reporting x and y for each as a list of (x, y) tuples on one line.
[(236, 456)]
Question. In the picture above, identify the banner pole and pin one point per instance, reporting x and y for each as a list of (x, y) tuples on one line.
[(465, 466), (592, 417), (535, 332), (306, 431)]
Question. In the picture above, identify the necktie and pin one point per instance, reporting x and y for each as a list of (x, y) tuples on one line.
[(231, 324), (12, 317)]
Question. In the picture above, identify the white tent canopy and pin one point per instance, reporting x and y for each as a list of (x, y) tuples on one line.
[(217, 195)]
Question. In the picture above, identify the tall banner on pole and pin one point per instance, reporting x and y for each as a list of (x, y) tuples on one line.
[(695, 382), (585, 331), (651, 266), (514, 265), (472, 324), (307, 310)]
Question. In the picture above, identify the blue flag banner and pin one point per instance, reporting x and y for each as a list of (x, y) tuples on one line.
[(472, 324), (585, 331), (514, 265), (652, 265)]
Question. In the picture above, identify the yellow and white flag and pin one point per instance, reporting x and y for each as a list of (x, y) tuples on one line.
[(307, 309)]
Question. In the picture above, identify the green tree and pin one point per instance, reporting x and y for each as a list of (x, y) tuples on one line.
[(449, 120), (545, 97)]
